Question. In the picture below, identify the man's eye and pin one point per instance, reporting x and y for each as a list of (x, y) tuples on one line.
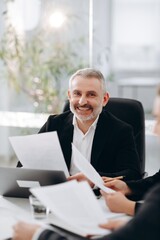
[(92, 94), (76, 94)]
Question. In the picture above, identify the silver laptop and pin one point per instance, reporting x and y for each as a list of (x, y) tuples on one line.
[(16, 182)]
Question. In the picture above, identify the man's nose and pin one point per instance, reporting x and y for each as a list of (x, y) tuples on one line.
[(82, 100)]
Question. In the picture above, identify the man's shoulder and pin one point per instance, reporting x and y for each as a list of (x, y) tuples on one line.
[(56, 121), (61, 116), (113, 120)]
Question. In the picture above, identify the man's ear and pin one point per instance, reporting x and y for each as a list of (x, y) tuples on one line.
[(69, 94), (105, 99)]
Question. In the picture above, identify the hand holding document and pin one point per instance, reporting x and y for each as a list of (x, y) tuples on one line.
[(42, 151), (109, 179), (86, 168), (74, 207)]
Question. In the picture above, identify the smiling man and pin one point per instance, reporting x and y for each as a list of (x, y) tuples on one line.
[(105, 141)]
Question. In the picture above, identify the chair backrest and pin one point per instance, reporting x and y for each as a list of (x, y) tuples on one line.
[(130, 111)]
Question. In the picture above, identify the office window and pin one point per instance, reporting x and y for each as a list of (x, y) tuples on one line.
[(135, 34), (42, 42)]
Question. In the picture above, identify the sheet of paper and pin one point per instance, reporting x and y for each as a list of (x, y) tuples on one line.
[(28, 184), (76, 229), (6, 222), (42, 151), (75, 204), (10, 213), (88, 170), (13, 210)]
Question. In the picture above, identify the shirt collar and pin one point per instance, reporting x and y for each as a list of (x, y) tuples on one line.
[(94, 124)]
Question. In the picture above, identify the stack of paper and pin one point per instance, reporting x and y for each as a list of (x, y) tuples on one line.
[(75, 207)]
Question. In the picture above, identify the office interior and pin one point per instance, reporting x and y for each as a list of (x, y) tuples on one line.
[(44, 41)]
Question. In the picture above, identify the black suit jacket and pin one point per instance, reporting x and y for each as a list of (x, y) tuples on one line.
[(113, 150), (144, 226), (141, 187)]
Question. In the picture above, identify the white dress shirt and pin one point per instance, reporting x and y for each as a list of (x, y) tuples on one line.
[(83, 142)]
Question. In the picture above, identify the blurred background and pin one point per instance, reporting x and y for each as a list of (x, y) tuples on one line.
[(42, 42)]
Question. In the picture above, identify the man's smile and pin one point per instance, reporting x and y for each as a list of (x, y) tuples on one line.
[(83, 109)]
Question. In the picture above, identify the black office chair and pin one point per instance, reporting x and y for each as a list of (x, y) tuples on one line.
[(130, 111)]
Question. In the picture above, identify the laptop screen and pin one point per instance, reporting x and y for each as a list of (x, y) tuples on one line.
[(16, 182)]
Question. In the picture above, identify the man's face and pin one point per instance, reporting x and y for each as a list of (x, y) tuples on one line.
[(86, 98)]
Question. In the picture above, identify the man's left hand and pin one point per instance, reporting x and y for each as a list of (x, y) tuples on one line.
[(24, 231), (81, 177)]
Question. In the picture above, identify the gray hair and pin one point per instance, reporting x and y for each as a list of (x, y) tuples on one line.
[(89, 72)]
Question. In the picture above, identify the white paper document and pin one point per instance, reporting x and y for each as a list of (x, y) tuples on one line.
[(40, 151), (88, 170), (27, 184), (10, 214), (75, 207), (6, 222)]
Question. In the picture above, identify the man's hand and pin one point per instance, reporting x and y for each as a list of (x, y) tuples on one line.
[(118, 203), (114, 224), (108, 179), (81, 177), (118, 186), (24, 231)]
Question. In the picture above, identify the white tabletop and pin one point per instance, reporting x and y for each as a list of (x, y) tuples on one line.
[(13, 210)]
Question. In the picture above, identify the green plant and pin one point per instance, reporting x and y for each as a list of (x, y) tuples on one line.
[(38, 65)]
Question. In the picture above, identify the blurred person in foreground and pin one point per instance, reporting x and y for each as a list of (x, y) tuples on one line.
[(133, 189), (120, 201)]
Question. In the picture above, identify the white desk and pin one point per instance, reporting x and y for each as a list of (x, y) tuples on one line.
[(9, 214), (15, 209)]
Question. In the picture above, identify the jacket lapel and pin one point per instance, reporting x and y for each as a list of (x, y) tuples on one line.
[(65, 134), (101, 137)]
